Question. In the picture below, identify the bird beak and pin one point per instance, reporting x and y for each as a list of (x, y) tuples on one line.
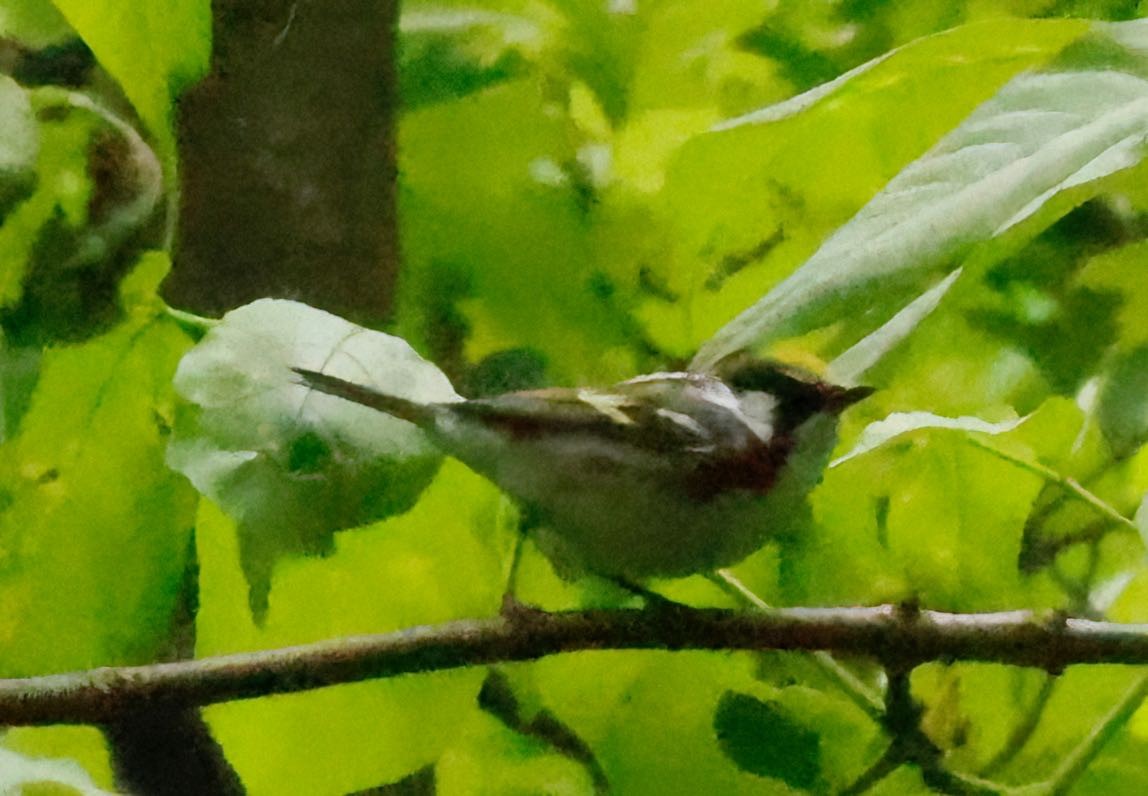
[(841, 398)]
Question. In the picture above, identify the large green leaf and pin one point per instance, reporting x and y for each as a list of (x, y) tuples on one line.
[(85, 500), (926, 516), (745, 203), (1042, 135), (442, 560), (292, 466)]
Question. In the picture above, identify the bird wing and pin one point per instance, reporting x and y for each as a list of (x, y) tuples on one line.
[(623, 413)]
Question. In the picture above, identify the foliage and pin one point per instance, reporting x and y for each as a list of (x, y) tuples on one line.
[(591, 190), (289, 466)]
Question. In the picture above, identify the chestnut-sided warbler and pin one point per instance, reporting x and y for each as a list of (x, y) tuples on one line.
[(663, 475)]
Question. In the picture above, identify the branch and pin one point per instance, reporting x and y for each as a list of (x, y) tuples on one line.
[(892, 634)]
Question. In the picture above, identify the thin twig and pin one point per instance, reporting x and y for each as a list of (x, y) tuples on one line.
[(1079, 759), (1041, 514), (912, 745), (889, 761), (1042, 550), (1023, 731), (1074, 487), (497, 698)]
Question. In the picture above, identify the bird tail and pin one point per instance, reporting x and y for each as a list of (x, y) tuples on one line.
[(412, 412)]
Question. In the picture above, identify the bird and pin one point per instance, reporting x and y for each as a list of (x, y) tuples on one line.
[(663, 475)]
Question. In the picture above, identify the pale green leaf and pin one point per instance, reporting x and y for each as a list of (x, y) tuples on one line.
[(744, 205), (20, 774), (850, 365), (1141, 519), (881, 432), (292, 466), (1041, 135), (19, 143)]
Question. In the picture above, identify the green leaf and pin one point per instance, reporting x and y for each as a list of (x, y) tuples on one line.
[(646, 706), (992, 174), (35, 23), (19, 144), (651, 724), (764, 739), (851, 365), (883, 431), (154, 50), (1083, 696), (505, 763), (954, 525), (442, 560), (1122, 411), (289, 465), (19, 371), (495, 244), (87, 501), (930, 517), (747, 202), (451, 53)]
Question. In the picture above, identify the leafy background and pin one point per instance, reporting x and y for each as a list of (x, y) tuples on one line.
[(589, 190)]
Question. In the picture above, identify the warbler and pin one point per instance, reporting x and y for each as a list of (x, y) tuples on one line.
[(663, 475)]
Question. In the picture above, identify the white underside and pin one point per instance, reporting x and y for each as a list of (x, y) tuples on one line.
[(610, 507)]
